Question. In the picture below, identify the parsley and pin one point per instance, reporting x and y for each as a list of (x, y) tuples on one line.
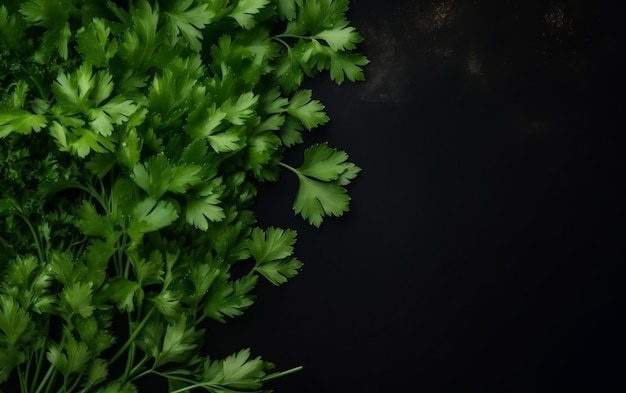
[(131, 142)]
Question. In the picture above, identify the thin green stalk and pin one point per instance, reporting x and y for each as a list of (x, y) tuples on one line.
[(36, 237), (285, 44), (292, 169), (130, 360), (76, 382), (133, 336), (131, 375), (42, 384), (41, 356), (21, 378), (29, 360), (301, 37), (281, 374)]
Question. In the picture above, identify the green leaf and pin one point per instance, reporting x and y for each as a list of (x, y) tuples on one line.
[(141, 41), (115, 111), (202, 277), (202, 210), (96, 373), (178, 343), (203, 121), (73, 357), (129, 151), (287, 9), (347, 65), (271, 251), (172, 90), (225, 141), (229, 299), (261, 148), (46, 13), (91, 332), (14, 321), (93, 224), (316, 199), (20, 121), (10, 357), (273, 244), (148, 271), (188, 21), (121, 292), (341, 37), (309, 112), (288, 72), (149, 216), (238, 111), (77, 300), (245, 11), (278, 272), (11, 31), (238, 372), (99, 164), (291, 132), (168, 304), (324, 163), (154, 175), (94, 44)]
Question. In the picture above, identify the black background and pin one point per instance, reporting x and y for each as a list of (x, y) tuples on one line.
[(484, 249)]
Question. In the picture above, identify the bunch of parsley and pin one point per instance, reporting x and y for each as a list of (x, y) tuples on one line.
[(131, 140)]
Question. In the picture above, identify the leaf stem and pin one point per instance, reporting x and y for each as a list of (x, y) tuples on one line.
[(40, 357), (36, 237), (138, 367), (285, 44), (281, 374), (132, 337), (21, 378), (75, 384), (301, 37), (292, 169), (45, 378)]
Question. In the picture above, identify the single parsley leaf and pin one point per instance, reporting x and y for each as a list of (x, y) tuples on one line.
[(340, 37), (20, 121), (316, 199), (245, 11), (94, 43), (188, 21), (238, 372), (310, 112), (14, 321), (272, 244), (324, 163)]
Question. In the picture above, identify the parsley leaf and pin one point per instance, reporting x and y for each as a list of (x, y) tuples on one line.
[(321, 177), (245, 10), (188, 21)]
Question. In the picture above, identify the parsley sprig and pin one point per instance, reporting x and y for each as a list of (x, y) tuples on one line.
[(131, 142)]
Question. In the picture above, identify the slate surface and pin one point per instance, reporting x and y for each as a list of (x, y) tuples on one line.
[(484, 251)]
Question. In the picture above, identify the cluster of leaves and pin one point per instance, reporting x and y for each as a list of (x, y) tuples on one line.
[(131, 140)]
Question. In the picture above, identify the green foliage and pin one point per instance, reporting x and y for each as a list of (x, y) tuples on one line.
[(131, 141)]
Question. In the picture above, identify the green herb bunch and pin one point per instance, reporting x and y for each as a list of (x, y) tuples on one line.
[(131, 140)]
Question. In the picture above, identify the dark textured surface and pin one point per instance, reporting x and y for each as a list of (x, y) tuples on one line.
[(484, 251)]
